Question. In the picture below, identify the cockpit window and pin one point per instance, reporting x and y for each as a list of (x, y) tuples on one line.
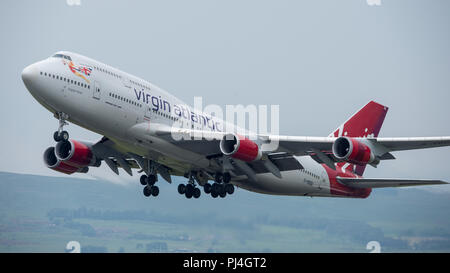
[(62, 56)]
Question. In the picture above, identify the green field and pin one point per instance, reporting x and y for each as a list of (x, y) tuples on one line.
[(42, 214)]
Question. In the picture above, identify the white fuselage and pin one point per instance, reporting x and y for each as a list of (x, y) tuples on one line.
[(125, 108)]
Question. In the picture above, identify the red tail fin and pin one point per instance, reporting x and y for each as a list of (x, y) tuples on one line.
[(364, 123)]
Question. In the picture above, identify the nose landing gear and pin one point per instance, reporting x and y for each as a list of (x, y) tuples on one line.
[(61, 135)]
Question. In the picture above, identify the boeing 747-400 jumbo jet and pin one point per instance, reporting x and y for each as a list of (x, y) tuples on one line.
[(136, 121)]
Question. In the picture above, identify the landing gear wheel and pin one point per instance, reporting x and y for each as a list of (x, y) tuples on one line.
[(56, 136), (155, 190), (214, 194), (221, 190), (181, 189), (188, 194), (223, 194), (218, 177), (151, 179), (64, 136), (207, 188), (143, 180), (215, 188), (229, 188), (196, 193), (147, 191), (189, 191), (226, 178)]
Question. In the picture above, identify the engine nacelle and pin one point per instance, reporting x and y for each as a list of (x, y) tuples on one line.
[(54, 163), (240, 147), (353, 151), (75, 153)]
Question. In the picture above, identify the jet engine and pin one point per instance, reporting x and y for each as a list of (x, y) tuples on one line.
[(240, 147), (52, 162), (353, 151), (75, 153)]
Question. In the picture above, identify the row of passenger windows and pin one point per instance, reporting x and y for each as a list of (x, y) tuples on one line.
[(64, 79), (140, 85), (310, 173), (107, 72), (113, 95), (135, 103), (164, 114)]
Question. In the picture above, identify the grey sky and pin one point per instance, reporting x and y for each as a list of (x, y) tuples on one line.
[(319, 60)]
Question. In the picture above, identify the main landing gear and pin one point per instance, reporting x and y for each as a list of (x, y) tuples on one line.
[(61, 135), (221, 186), (190, 189), (149, 182)]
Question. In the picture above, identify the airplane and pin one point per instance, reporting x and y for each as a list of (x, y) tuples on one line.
[(136, 120)]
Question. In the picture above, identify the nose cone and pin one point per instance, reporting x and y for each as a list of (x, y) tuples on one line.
[(28, 74), (30, 77)]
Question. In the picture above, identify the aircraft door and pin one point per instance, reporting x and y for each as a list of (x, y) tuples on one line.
[(126, 82), (96, 90), (147, 111)]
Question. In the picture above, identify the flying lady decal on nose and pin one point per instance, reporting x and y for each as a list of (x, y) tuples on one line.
[(80, 70)]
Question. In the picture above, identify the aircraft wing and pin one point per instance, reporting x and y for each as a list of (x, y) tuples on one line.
[(300, 145), (363, 183), (207, 143), (411, 143), (279, 149)]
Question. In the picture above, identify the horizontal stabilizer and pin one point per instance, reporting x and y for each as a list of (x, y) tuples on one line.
[(364, 183)]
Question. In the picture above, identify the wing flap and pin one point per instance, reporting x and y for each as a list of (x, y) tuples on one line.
[(364, 183)]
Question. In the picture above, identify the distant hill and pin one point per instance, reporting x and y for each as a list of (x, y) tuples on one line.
[(401, 219)]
